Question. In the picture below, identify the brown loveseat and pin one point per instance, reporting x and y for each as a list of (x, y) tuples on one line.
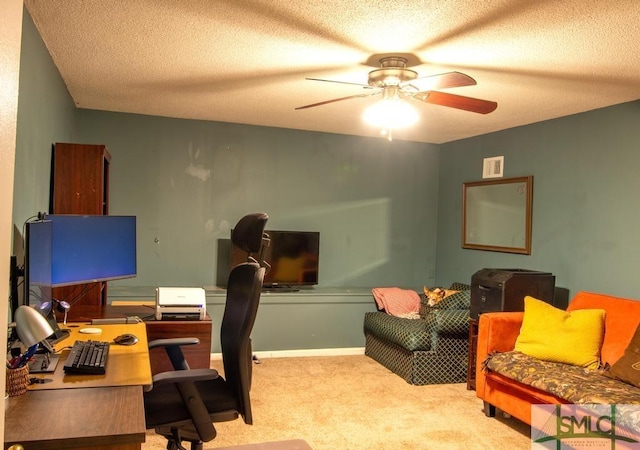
[(512, 382)]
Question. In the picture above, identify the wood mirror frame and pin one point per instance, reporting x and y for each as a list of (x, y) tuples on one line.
[(496, 215)]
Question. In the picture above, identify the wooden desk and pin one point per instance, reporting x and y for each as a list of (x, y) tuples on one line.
[(198, 356), (81, 419), (85, 411), (126, 365)]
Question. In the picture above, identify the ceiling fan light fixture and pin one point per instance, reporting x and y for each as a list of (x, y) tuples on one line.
[(391, 113), (397, 83)]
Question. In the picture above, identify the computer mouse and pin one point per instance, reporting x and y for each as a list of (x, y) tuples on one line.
[(125, 339)]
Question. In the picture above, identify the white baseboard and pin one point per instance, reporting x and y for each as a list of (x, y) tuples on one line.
[(303, 352)]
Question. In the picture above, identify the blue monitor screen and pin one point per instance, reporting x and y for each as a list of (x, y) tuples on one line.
[(64, 250), (38, 267)]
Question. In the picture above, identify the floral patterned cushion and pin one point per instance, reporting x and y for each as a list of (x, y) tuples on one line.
[(572, 383)]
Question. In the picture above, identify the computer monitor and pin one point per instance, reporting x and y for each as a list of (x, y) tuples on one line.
[(64, 250), (87, 249)]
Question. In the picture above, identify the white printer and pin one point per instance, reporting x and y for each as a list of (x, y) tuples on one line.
[(180, 303)]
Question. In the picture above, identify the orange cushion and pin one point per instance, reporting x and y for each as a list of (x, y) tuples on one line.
[(621, 320)]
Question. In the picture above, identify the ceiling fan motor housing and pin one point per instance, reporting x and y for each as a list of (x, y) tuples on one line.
[(392, 72)]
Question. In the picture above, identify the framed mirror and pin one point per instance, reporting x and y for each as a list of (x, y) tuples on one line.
[(496, 215)]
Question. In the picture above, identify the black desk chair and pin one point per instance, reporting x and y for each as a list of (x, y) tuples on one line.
[(183, 404)]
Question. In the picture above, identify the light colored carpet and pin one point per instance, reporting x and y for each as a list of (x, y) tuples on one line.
[(354, 403)]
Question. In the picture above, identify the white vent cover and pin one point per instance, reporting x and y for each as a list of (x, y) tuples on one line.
[(493, 167)]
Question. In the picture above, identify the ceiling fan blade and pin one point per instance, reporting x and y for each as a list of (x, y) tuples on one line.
[(366, 86), (337, 100), (442, 81), (457, 101)]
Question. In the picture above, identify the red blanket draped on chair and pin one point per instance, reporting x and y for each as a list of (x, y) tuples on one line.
[(396, 301)]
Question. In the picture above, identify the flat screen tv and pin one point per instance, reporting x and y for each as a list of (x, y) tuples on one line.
[(293, 257)]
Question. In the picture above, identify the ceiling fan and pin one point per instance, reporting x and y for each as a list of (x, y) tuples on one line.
[(394, 80)]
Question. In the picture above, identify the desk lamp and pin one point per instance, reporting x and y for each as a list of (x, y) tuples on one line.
[(32, 327), (46, 309)]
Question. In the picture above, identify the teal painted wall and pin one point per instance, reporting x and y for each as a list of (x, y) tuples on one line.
[(46, 114), (189, 182), (585, 199)]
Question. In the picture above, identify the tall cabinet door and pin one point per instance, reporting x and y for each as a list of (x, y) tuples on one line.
[(80, 179), (80, 185)]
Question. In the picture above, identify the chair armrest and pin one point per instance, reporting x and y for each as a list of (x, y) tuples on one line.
[(184, 381), (174, 351), (497, 332), (448, 322), (181, 376), (174, 341)]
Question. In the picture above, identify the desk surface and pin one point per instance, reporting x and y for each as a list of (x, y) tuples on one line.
[(199, 356), (126, 365), (112, 417), (85, 411)]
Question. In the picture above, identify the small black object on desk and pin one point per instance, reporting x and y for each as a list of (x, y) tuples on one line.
[(126, 339)]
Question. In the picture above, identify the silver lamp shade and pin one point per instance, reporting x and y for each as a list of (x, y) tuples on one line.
[(31, 326)]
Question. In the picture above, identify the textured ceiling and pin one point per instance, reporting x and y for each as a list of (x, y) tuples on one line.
[(245, 61)]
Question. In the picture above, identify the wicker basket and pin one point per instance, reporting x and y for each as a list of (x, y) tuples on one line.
[(17, 381)]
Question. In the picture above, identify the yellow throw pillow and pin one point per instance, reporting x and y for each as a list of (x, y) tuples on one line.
[(552, 334)]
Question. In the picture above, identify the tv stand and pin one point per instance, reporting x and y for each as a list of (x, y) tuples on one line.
[(280, 288)]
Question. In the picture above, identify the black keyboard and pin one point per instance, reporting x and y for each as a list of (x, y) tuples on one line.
[(87, 357)]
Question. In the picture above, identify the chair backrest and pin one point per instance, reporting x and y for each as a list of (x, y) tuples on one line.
[(241, 307), (248, 233)]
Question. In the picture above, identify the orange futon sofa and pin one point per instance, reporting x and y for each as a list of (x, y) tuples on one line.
[(498, 332)]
